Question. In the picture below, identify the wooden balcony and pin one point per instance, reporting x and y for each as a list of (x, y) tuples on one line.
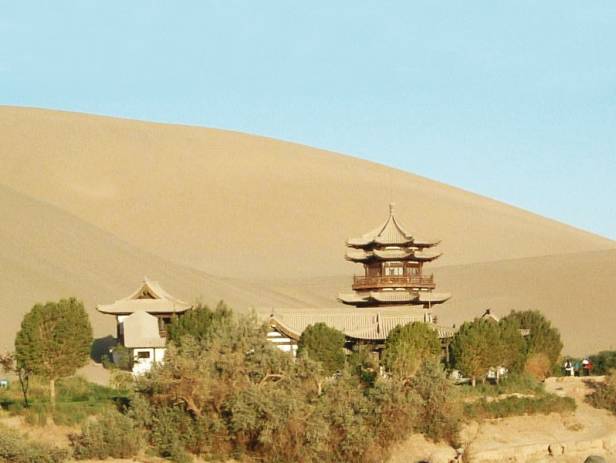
[(379, 282)]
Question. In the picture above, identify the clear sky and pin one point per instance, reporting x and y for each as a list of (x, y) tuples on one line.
[(513, 100)]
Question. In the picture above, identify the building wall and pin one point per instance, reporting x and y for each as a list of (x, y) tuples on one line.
[(142, 364), (282, 342)]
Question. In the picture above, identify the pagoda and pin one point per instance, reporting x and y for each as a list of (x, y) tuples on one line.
[(393, 261)]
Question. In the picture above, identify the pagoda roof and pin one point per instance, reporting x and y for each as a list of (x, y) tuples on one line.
[(394, 297), (141, 330), (363, 324), (150, 297), (390, 233)]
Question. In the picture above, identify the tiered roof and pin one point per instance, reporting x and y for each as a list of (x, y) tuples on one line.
[(391, 233), (391, 242), (150, 298)]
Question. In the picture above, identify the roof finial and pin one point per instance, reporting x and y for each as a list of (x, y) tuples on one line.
[(392, 206)]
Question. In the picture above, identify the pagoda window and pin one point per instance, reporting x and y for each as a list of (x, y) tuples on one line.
[(393, 269)]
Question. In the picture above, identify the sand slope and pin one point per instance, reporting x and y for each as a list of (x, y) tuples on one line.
[(47, 254), (241, 205), (91, 204)]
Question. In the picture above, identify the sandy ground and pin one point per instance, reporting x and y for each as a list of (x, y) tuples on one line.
[(529, 439)]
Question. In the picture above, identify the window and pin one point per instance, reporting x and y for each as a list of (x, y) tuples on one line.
[(143, 355)]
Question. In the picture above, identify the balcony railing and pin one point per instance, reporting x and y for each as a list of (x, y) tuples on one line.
[(407, 281)]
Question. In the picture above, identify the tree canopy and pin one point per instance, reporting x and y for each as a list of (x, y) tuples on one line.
[(54, 340), (543, 338), (408, 346), (201, 323), (323, 344), (474, 347)]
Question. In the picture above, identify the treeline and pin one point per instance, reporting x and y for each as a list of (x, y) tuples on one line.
[(224, 391)]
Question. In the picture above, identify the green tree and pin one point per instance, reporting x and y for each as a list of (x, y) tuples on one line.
[(201, 323), (408, 346), (54, 340), (542, 338), (474, 348), (325, 345), (511, 348)]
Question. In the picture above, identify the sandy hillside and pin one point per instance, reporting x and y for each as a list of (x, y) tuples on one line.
[(47, 254), (240, 205), (92, 204)]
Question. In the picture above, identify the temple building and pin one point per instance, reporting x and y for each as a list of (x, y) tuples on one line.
[(142, 320), (393, 261), (392, 291)]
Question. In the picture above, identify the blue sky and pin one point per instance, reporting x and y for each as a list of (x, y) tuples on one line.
[(512, 100)]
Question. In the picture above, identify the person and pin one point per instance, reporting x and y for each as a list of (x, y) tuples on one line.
[(585, 366), (568, 366), (577, 368)]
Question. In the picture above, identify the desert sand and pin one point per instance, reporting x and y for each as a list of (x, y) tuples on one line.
[(93, 204)]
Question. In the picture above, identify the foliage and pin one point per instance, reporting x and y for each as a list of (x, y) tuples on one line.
[(473, 347), (604, 394), (515, 383), (538, 365), (8, 363), (54, 340), (543, 404), (603, 362), (408, 346), (542, 337), (201, 323), (440, 412), (323, 344), (121, 357), (110, 435), (232, 394), (510, 347), (15, 448), (364, 364)]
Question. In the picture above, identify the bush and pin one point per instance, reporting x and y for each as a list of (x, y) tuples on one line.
[(538, 366), (604, 394), (603, 362), (14, 448), (440, 413), (110, 435)]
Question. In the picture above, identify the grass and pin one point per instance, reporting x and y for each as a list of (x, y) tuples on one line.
[(76, 400), (512, 384), (543, 404)]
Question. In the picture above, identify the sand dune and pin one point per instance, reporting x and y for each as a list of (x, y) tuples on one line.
[(240, 205), (47, 254), (92, 204)]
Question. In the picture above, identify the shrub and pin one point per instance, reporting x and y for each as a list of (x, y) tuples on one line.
[(440, 412), (408, 346), (603, 362), (110, 435), (14, 448), (538, 366), (604, 394), (325, 345)]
